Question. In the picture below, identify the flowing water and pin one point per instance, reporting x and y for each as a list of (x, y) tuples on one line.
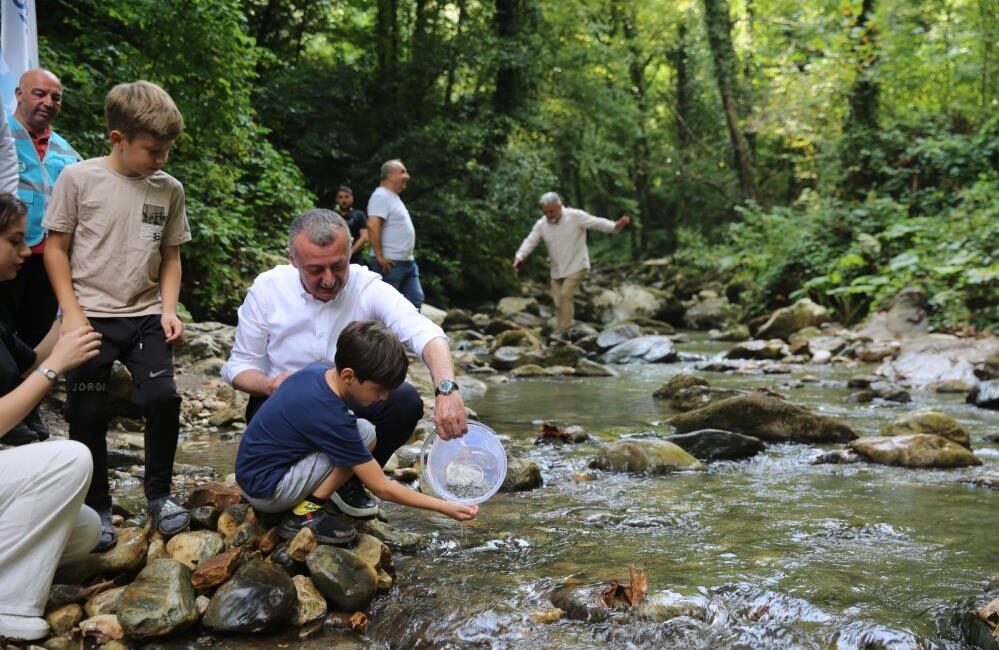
[(782, 553)]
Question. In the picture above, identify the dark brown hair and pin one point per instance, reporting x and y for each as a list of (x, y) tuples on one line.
[(11, 209), (373, 352)]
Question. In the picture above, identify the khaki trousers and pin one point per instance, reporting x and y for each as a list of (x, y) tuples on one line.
[(563, 291), (43, 521)]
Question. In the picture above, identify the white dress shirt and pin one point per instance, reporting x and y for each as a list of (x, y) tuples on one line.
[(566, 240), (283, 328)]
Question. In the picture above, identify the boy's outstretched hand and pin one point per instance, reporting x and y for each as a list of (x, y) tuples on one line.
[(460, 511), (173, 327)]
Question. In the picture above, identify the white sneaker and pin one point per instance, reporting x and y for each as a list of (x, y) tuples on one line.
[(24, 628)]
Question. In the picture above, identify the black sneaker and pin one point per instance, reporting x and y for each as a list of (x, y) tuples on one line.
[(34, 422), (324, 526), (352, 499), (19, 435), (169, 517), (108, 536)]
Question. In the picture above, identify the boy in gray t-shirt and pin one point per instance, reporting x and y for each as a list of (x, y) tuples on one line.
[(115, 228)]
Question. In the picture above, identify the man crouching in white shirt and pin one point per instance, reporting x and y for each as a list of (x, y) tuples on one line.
[(293, 315)]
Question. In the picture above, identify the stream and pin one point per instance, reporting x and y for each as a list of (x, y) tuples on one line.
[(781, 553)]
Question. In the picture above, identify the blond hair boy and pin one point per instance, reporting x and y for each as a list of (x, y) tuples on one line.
[(115, 226)]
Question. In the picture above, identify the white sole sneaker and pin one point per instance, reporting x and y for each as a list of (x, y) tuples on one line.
[(24, 628), (348, 509)]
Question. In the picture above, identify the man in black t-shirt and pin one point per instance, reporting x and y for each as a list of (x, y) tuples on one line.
[(356, 220)]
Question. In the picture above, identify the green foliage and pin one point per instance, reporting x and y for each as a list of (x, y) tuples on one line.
[(241, 191)]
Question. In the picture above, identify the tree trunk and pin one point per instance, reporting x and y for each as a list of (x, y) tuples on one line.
[(718, 27), (641, 161), (862, 120)]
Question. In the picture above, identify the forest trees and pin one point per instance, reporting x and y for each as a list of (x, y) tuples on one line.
[(760, 138)]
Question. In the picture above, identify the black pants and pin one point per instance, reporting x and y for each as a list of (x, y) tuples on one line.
[(139, 343), (395, 418), (27, 303)]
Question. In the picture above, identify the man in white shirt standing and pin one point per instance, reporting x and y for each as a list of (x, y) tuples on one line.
[(564, 232), (392, 234), (293, 315)]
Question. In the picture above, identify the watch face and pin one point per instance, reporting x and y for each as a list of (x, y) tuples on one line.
[(445, 387)]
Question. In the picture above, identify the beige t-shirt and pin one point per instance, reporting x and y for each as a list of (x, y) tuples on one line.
[(119, 225)]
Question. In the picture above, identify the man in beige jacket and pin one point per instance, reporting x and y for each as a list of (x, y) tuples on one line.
[(564, 232)]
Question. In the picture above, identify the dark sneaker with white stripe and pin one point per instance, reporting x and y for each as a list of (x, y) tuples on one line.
[(169, 517), (108, 536), (324, 526), (353, 499)]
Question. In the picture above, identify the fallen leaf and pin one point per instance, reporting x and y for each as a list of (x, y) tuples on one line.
[(639, 586), (358, 621)]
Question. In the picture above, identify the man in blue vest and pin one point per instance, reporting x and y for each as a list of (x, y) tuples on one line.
[(27, 303)]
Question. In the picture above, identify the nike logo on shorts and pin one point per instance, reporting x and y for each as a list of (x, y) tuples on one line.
[(154, 375)]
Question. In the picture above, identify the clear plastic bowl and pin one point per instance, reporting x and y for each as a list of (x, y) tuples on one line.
[(468, 470)]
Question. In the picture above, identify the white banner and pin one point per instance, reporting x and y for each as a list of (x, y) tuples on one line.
[(18, 46)]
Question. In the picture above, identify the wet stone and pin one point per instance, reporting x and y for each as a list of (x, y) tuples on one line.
[(715, 444), (580, 603), (105, 602), (160, 602), (522, 475), (102, 628), (127, 556), (347, 582), (215, 571), (204, 518), (62, 620), (281, 558), (677, 383), (259, 597), (214, 494), (195, 547), (649, 456), (929, 422), (917, 451), (310, 605), (644, 349), (396, 540), (985, 395)]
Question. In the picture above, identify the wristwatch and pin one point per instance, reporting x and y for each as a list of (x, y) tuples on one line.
[(445, 387), (50, 374)]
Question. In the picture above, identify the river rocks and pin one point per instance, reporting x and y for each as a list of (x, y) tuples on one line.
[(515, 304), (644, 349), (985, 395), (580, 603), (588, 368), (676, 383), (106, 602), (128, 556), (787, 320), (159, 602), (882, 391), (516, 337), (617, 335), (102, 628), (215, 571), (348, 583), (919, 450), (663, 606), (715, 444), (193, 548), (929, 422), (303, 543), (695, 397), (510, 357), (649, 455), (760, 350), (458, 319), (259, 597), (631, 300), (562, 354), (397, 540), (768, 418), (521, 475), (734, 334), (64, 619), (310, 605), (939, 358)]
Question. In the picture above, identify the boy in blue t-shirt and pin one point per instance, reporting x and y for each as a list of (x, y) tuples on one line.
[(304, 443)]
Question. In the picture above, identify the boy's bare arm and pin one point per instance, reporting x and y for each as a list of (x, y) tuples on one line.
[(170, 273), (57, 265), (374, 479)]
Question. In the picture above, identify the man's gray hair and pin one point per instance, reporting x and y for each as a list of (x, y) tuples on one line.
[(388, 166), (320, 226), (550, 198)]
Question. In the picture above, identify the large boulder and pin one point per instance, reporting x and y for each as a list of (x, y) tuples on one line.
[(902, 316), (562, 354), (938, 358), (517, 337), (920, 450), (644, 349), (645, 455), (695, 397), (765, 417), (260, 597), (715, 444), (510, 357), (522, 475), (348, 582), (516, 304), (933, 422), (676, 383), (629, 301), (160, 602), (787, 320)]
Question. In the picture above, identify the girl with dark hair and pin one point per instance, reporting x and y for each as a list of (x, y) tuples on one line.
[(43, 521)]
